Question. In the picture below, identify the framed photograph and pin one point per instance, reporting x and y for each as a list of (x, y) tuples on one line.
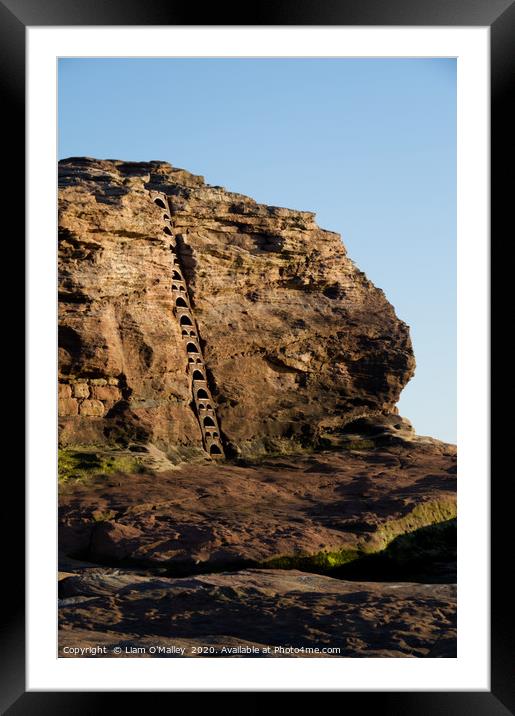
[(258, 454)]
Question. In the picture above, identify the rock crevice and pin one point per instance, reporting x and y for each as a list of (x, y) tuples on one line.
[(197, 369)]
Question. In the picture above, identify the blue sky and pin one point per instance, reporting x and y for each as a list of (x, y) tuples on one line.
[(368, 144)]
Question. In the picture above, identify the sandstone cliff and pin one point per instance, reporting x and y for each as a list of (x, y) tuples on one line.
[(294, 343)]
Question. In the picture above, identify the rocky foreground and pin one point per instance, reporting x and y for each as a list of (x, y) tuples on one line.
[(254, 613), (182, 558)]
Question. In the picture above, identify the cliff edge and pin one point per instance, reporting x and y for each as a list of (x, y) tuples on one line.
[(295, 346)]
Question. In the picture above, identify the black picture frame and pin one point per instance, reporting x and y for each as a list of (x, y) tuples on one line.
[(499, 16)]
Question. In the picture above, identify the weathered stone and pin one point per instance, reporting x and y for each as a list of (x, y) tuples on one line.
[(292, 350), (208, 515), (81, 390), (67, 407), (107, 393), (114, 540), (64, 390), (278, 613), (92, 408), (297, 341)]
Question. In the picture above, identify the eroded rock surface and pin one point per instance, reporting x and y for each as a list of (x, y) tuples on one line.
[(297, 341), (302, 361), (255, 608), (200, 517)]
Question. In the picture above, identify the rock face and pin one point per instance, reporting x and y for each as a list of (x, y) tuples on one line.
[(195, 322), (295, 342), (253, 613)]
